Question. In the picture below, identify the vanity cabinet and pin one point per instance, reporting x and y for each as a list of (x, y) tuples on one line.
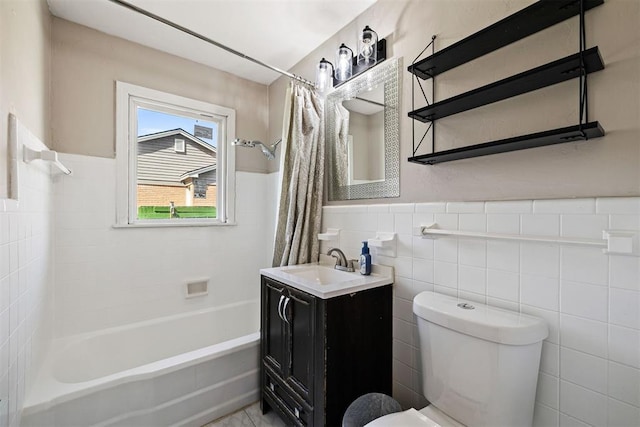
[(288, 335), (319, 355)]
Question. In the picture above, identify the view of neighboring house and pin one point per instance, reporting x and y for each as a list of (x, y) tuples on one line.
[(175, 166)]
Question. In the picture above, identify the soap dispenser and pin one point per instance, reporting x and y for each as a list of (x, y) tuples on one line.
[(365, 260)]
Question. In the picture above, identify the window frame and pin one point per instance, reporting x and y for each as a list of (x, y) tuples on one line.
[(128, 98), (183, 146)]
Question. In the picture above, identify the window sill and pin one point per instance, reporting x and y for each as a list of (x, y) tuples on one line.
[(174, 224)]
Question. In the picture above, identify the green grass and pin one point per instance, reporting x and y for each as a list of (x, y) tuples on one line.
[(162, 212)]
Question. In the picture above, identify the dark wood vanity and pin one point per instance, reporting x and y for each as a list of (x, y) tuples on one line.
[(319, 355)]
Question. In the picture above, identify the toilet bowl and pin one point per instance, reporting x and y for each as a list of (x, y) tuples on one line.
[(479, 365)]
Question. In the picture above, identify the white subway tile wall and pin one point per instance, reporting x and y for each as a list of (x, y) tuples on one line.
[(107, 277), (590, 366), (25, 286)]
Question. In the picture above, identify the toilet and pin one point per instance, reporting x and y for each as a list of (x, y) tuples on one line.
[(479, 365)]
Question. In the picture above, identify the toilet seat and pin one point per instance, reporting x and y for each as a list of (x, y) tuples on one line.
[(439, 417), (429, 416), (408, 418)]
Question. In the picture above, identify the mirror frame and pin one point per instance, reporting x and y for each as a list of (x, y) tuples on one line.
[(387, 73)]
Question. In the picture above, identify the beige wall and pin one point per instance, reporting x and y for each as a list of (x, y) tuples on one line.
[(25, 55), (376, 151), (359, 131), (368, 149), (608, 166), (85, 65)]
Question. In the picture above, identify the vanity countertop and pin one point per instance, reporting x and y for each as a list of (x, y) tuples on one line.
[(323, 281)]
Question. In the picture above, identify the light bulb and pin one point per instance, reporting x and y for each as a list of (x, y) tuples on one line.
[(367, 54), (343, 66), (324, 75), (366, 48), (344, 63)]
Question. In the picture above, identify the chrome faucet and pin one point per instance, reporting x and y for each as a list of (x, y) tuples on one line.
[(341, 260)]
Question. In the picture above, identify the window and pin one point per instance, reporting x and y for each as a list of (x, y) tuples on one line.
[(174, 165), (178, 145)]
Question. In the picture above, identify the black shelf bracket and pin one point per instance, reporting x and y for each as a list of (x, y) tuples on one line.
[(414, 80), (529, 20)]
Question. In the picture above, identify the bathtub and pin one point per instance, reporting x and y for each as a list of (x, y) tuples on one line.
[(182, 370)]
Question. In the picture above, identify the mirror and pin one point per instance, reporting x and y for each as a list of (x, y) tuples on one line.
[(362, 135)]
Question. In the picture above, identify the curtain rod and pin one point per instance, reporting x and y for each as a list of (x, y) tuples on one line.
[(370, 101), (208, 40)]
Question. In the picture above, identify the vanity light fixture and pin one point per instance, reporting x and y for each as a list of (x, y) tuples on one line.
[(344, 63), (367, 47), (324, 75), (371, 51)]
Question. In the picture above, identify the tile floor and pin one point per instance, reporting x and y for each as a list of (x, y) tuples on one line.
[(249, 416)]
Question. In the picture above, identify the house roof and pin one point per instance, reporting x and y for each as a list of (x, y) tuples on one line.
[(196, 172), (182, 132)]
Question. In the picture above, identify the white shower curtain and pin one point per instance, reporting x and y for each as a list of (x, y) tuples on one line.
[(302, 178)]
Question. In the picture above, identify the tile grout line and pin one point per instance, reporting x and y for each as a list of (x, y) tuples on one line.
[(249, 416)]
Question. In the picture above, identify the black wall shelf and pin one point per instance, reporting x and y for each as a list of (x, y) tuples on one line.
[(534, 18), (546, 75), (528, 21), (540, 139)]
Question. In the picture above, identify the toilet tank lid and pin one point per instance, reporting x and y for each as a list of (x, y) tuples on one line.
[(481, 321)]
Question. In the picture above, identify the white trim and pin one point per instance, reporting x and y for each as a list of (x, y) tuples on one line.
[(179, 145), (187, 222), (128, 97)]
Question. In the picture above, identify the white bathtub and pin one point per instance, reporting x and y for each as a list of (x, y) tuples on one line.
[(182, 370)]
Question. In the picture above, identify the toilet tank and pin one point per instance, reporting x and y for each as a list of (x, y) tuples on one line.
[(479, 364)]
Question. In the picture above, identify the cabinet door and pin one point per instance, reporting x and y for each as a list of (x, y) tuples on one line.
[(300, 320), (274, 348)]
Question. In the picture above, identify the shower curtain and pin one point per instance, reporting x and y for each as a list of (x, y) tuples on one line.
[(302, 178)]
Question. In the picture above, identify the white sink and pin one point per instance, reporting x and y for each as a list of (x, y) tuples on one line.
[(320, 274), (325, 281)]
